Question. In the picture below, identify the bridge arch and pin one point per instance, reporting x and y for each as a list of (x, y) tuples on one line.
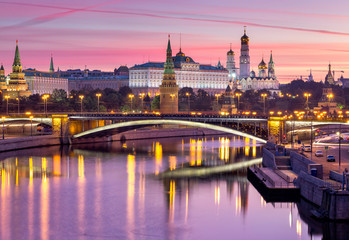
[(110, 128)]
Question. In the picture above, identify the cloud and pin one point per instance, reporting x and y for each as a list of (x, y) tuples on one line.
[(51, 17), (162, 16)]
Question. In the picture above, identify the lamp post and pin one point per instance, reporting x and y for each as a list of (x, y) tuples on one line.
[(81, 97), (217, 95), (339, 146), (31, 125), (7, 97), (45, 97), (188, 95), (264, 95), (131, 96), (172, 97), (3, 128), (98, 95), (238, 95), (18, 103), (141, 96), (307, 95)]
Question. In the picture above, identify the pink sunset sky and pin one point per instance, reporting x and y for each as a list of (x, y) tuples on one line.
[(105, 34)]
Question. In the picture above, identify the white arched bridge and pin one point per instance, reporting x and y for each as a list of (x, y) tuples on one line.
[(116, 128)]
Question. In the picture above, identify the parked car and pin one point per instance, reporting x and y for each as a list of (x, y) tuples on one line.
[(307, 148), (319, 153), (330, 158)]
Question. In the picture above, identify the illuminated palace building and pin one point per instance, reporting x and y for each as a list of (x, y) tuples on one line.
[(146, 78)]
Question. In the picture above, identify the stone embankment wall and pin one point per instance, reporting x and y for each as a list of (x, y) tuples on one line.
[(268, 159), (313, 189), (29, 142), (300, 163)]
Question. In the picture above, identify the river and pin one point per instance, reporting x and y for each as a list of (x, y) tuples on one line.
[(113, 191)]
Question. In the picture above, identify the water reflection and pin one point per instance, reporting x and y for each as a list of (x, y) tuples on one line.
[(109, 191)]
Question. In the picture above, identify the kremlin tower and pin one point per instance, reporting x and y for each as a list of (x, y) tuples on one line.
[(17, 86), (169, 88)]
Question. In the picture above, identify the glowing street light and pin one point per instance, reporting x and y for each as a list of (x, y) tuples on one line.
[(7, 97), (45, 97), (238, 95), (141, 96), (188, 95), (307, 95), (172, 98), (98, 95), (264, 95), (131, 96), (81, 97), (18, 103), (330, 96)]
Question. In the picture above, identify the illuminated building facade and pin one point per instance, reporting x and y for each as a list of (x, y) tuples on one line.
[(248, 80), (147, 77)]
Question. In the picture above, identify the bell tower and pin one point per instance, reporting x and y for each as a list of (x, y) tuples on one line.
[(245, 56)]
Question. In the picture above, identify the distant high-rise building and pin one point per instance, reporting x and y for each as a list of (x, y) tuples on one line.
[(169, 88), (245, 56)]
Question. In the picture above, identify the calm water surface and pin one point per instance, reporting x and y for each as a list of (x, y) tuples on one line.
[(110, 191)]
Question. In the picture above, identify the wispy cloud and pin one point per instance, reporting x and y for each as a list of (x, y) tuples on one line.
[(51, 17), (162, 16)]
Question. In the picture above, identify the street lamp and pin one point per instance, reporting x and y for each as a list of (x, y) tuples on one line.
[(31, 125), (98, 95), (81, 97), (238, 95), (307, 95), (45, 97), (188, 95), (18, 103), (3, 128), (7, 97), (131, 96), (172, 97), (141, 96), (217, 95), (339, 146), (264, 95)]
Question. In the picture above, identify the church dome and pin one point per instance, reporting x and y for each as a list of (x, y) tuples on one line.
[(180, 53), (252, 74), (231, 52), (262, 65), (245, 39)]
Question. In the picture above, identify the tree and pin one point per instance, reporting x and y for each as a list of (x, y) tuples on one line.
[(155, 104), (59, 95)]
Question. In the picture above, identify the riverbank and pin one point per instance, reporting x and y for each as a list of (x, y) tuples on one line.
[(28, 142)]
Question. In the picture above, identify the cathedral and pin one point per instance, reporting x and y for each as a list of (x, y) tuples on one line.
[(247, 79)]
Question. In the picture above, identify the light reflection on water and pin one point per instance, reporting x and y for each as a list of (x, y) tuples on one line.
[(109, 191)]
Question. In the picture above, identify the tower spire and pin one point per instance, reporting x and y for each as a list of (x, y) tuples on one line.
[(244, 29), (52, 69)]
